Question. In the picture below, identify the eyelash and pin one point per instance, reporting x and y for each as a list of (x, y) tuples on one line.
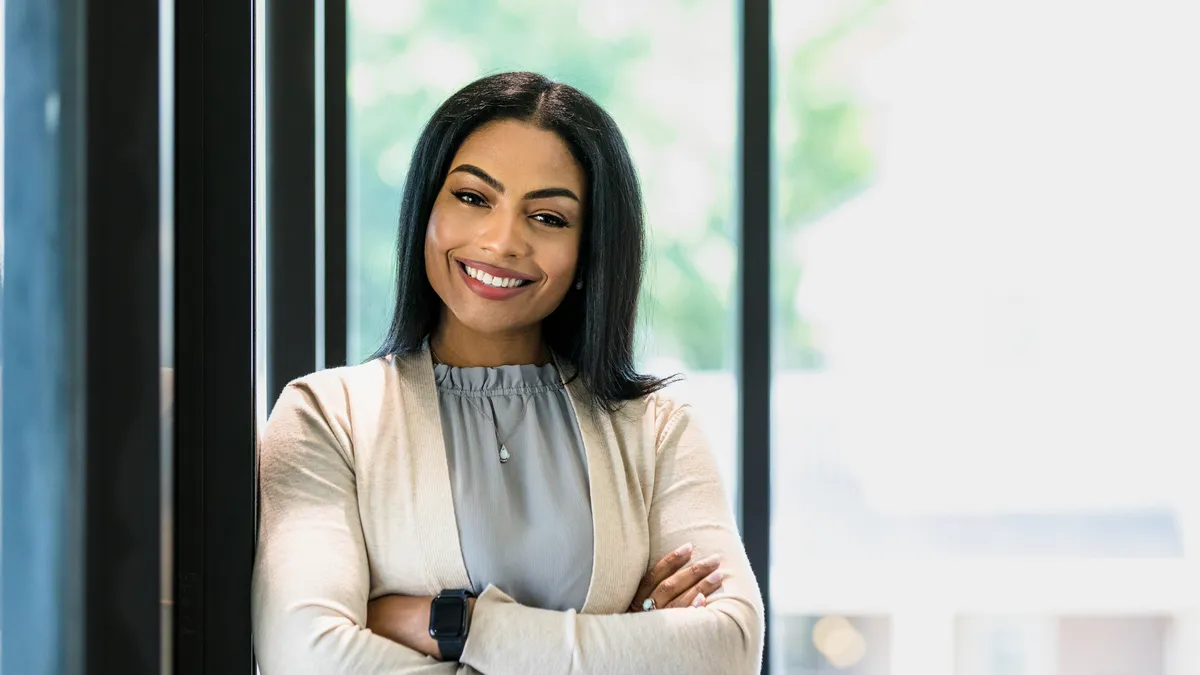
[(465, 196), (462, 196)]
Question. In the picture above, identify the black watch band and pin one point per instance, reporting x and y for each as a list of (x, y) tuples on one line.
[(450, 622), (451, 649)]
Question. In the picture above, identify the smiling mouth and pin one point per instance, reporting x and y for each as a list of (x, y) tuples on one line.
[(493, 281)]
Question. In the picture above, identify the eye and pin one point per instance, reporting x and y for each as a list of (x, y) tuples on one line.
[(550, 219), (470, 198)]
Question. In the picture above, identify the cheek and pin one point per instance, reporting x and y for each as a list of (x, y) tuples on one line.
[(432, 253), (438, 235), (436, 249), (434, 230), (560, 263)]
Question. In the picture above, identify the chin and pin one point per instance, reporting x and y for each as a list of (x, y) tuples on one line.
[(491, 322)]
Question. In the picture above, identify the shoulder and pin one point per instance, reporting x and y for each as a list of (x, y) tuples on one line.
[(655, 415), (668, 412), (340, 406), (352, 391), (352, 379), (338, 387)]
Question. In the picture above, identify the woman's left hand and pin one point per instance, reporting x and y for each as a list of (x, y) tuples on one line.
[(405, 619)]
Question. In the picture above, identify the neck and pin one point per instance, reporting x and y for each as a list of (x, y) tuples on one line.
[(456, 345)]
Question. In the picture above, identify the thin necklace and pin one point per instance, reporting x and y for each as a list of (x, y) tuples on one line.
[(501, 444)]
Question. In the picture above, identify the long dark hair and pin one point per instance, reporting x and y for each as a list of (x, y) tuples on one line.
[(593, 328)]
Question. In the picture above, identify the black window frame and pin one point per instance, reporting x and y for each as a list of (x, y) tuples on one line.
[(306, 263), (215, 434), (754, 270)]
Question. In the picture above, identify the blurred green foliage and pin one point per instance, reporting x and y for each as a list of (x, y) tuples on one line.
[(681, 126)]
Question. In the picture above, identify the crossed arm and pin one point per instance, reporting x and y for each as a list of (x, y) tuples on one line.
[(311, 579), (675, 582)]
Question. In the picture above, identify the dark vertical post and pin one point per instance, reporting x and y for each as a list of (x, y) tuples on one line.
[(42, 340), (189, 441), (755, 270), (291, 193), (124, 552), (335, 183), (215, 379)]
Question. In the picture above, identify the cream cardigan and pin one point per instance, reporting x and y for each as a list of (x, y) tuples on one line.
[(356, 504)]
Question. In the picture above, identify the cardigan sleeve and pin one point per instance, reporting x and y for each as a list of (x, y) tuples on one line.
[(723, 638), (311, 580)]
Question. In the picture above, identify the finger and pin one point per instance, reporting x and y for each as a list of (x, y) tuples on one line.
[(704, 587), (661, 571), (678, 583), (701, 591)]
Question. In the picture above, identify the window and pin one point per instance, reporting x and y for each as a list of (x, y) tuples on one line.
[(2, 210), (666, 72), (986, 374)]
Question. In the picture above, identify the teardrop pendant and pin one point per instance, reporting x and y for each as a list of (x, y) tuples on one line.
[(503, 454)]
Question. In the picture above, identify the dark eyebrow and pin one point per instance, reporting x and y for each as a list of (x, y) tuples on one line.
[(544, 193), (481, 175)]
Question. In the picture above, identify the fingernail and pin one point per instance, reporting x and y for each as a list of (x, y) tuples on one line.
[(711, 560), (699, 601), (686, 549), (715, 577)]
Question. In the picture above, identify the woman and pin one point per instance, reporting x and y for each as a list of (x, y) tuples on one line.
[(488, 492)]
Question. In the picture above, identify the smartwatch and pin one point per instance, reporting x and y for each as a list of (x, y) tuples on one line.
[(449, 622)]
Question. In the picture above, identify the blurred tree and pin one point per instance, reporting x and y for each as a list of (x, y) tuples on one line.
[(824, 161)]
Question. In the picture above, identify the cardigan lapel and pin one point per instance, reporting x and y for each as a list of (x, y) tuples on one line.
[(436, 526), (606, 517)]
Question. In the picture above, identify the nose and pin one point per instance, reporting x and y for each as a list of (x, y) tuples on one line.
[(503, 234)]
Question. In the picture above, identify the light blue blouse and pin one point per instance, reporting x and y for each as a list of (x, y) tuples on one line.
[(525, 523)]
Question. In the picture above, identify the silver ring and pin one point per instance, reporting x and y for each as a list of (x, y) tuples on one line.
[(648, 605)]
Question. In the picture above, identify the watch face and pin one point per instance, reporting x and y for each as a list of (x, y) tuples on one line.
[(447, 618)]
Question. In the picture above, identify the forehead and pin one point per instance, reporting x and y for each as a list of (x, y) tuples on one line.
[(521, 155)]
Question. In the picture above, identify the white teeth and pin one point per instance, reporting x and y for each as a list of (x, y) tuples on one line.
[(496, 282)]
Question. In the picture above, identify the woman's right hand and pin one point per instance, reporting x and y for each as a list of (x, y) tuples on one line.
[(676, 581)]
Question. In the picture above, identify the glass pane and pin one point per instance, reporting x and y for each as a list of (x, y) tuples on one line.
[(39, 325), (664, 70), (986, 319), (166, 317), (3, 13), (833, 644)]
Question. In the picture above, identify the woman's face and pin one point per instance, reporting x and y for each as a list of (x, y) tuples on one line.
[(503, 238)]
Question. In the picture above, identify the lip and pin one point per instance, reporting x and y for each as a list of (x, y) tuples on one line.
[(496, 271), (491, 292)]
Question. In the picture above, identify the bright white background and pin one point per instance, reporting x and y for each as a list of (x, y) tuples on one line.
[(1010, 316)]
